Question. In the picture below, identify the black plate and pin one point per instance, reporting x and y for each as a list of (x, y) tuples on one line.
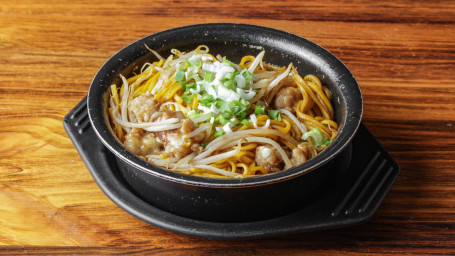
[(353, 199)]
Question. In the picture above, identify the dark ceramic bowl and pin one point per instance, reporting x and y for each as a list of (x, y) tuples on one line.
[(232, 200)]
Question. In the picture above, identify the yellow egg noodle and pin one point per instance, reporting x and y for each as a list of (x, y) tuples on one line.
[(204, 115)]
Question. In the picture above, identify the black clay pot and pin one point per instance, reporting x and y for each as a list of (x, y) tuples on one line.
[(232, 200)]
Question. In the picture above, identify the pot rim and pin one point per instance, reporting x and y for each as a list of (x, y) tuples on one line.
[(116, 64)]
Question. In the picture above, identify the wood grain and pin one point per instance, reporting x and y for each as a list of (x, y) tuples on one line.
[(401, 52)]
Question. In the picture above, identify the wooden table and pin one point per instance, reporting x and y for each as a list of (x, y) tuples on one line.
[(401, 52)]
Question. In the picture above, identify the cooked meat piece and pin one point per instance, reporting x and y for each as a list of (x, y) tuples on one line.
[(300, 154), (171, 114), (175, 144), (269, 158), (141, 144), (196, 148), (287, 98), (187, 126), (143, 107), (174, 141)]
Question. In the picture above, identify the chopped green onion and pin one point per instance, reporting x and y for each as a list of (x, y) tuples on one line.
[(241, 115), (190, 86), (204, 144), (229, 84), (235, 108), (192, 114), (234, 122), (247, 75), (207, 100), (222, 120), (209, 76), (218, 133), (259, 110), (226, 115), (196, 78), (187, 98), (187, 64), (229, 76), (228, 62), (275, 115), (183, 84), (317, 138), (190, 73), (238, 106), (223, 106), (195, 61), (179, 75), (245, 122)]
